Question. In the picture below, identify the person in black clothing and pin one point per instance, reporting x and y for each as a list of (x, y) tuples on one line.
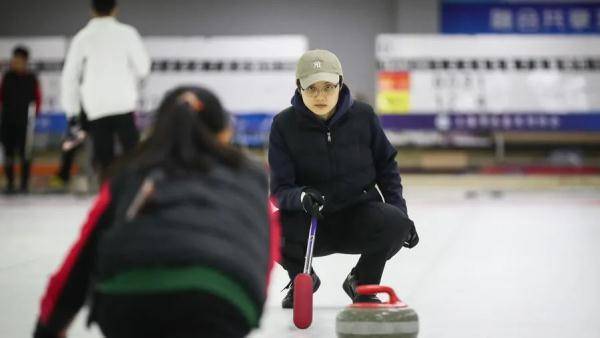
[(178, 243), (20, 100), (329, 158)]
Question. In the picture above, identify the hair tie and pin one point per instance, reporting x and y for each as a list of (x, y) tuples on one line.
[(192, 100)]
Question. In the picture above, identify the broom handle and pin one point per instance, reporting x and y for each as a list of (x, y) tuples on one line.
[(310, 245)]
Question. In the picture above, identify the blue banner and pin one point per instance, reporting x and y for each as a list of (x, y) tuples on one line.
[(497, 17), (567, 122), (51, 123), (251, 129)]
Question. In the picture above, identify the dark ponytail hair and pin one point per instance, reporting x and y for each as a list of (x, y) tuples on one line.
[(184, 137)]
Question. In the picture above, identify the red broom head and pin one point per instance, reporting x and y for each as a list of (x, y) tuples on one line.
[(303, 297)]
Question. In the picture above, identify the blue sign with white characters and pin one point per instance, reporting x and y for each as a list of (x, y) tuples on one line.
[(518, 121), (516, 17)]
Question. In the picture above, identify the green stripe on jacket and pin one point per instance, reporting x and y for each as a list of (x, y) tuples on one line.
[(159, 280)]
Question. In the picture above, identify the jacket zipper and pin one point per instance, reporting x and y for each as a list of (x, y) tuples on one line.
[(333, 164)]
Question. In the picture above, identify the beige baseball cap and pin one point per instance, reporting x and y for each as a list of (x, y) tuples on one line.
[(318, 65)]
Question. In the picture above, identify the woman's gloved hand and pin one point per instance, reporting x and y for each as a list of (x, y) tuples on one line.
[(312, 202)]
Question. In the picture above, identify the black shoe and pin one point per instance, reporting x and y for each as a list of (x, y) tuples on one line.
[(366, 299), (349, 287), (288, 300)]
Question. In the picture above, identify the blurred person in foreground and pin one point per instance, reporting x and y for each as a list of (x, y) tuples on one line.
[(178, 242), (103, 67), (330, 159), (20, 101)]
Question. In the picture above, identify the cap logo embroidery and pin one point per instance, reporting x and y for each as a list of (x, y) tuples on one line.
[(317, 64)]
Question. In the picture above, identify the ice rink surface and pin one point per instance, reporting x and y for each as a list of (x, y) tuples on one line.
[(521, 263)]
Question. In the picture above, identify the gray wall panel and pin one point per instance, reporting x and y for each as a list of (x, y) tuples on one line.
[(418, 16)]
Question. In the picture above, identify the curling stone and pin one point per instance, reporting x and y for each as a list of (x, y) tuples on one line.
[(392, 319)]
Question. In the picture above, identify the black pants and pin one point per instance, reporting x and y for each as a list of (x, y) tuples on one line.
[(374, 230), (14, 142), (174, 315), (103, 132), (66, 163), (68, 157)]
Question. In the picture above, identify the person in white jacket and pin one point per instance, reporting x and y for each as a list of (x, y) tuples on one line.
[(103, 68)]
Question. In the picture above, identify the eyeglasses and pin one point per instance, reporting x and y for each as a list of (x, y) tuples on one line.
[(313, 91)]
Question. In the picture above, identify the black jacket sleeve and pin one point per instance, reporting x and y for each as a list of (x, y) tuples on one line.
[(2, 95), (388, 177), (282, 175), (69, 286), (2, 81)]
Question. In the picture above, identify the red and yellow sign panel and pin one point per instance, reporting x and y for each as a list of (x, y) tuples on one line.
[(394, 92)]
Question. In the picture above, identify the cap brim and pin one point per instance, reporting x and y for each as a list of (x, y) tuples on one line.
[(328, 77)]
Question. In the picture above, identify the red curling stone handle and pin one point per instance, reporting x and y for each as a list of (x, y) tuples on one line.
[(375, 289)]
